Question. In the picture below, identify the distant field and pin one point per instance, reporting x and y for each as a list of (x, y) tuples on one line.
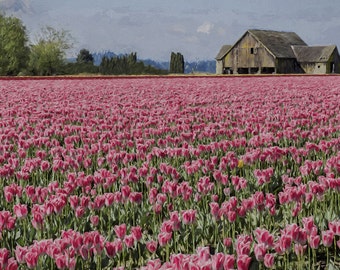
[(170, 172)]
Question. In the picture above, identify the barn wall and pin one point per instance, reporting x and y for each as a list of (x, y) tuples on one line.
[(249, 55), (314, 68), (334, 59), (219, 67), (288, 65)]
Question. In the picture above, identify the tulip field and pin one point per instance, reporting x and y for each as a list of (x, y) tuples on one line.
[(170, 173)]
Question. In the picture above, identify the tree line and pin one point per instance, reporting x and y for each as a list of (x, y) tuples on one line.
[(46, 55)]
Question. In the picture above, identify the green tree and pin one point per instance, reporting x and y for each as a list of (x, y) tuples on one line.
[(84, 64), (176, 63), (126, 64), (84, 56), (14, 51), (48, 54)]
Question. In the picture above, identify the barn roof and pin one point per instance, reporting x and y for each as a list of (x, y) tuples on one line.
[(309, 54), (277, 42), (223, 51)]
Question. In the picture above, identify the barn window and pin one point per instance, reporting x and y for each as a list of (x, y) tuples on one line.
[(318, 66), (253, 50)]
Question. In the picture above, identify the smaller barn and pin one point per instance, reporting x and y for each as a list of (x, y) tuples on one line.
[(318, 59), (267, 52)]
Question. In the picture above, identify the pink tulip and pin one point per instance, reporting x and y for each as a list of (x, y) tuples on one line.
[(45, 165), (176, 223), (4, 257), (120, 230), (269, 260), (20, 210), (260, 251), (229, 262), (136, 233), (77, 241), (308, 224), (334, 226), (110, 249), (129, 241), (203, 254), (164, 238), (189, 216), (9, 194), (299, 249), (243, 243), (214, 209), (84, 252), (151, 246), (37, 220), (61, 261), (327, 238), (314, 241), (74, 201), (243, 262), (94, 220), (228, 242), (31, 259), (12, 264), (217, 261), (285, 242), (263, 236), (136, 197), (80, 211), (118, 244), (231, 215), (20, 253)]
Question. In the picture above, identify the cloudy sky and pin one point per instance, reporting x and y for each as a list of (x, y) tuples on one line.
[(196, 28)]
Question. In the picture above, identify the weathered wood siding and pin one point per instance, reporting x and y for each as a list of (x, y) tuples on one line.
[(334, 59), (248, 53), (314, 68), (219, 66), (288, 65)]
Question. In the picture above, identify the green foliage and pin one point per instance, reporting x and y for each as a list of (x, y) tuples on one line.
[(84, 56), (80, 68), (176, 63), (13, 46), (83, 65), (127, 65), (48, 54)]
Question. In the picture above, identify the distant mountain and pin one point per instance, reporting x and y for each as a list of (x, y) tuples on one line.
[(203, 66), (160, 65)]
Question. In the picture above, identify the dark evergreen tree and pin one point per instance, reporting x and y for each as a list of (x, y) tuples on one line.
[(84, 56), (176, 63), (126, 64)]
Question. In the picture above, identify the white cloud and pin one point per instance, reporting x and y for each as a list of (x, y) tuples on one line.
[(205, 28), (179, 29)]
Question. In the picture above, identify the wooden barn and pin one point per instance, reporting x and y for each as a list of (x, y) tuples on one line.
[(268, 52)]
